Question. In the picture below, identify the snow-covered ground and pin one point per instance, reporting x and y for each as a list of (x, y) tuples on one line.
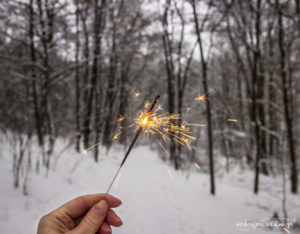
[(156, 198)]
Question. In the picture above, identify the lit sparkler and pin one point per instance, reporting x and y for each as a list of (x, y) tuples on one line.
[(158, 123), (165, 126), (142, 124)]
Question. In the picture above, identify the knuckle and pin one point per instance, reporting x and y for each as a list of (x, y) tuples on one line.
[(90, 221)]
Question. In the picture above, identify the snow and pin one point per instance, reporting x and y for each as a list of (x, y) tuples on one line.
[(156, 198)]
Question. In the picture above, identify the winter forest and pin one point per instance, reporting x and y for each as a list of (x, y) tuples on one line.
[(219, 151)]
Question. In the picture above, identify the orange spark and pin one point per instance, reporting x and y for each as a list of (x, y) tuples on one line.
[(117, 135), (197, 165), (121, 118), (144, 122), (88, 149), (166, 126), (201, 98), (232, 120)]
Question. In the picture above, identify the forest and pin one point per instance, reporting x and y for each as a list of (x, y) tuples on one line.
[(79, 71)]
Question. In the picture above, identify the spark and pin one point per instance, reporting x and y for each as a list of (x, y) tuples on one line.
[(137, 94), (166, 125), (201, 98), (117, 135), (147, 104), (287, 230), (120, 119), (232, 120), (197, 165), (88, 149), (198, 125), (169, 171), (162, 147)]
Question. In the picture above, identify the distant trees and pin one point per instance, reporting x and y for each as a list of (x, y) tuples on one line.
[(72, 69)]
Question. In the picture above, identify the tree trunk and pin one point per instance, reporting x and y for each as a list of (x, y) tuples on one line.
[(208, 111), (77, 82), (286, 103)]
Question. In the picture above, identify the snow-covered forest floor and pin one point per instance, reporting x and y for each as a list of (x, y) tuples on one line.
[(156, 198)]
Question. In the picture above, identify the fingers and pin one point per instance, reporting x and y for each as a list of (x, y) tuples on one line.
[(80, 205), (113, 219), (93, 219), (105, 229)]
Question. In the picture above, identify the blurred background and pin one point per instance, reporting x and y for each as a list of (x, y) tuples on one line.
[(74, 75)]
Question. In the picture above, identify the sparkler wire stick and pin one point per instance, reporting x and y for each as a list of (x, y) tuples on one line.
[(144, 122)]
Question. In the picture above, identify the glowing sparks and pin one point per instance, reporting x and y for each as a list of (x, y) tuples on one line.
[(201, 98), (147, 104), (120, 119), (137, 94), (168, 126), (198, 125), (197, 165), (91, 147), (286, 230), (118, 134), (232, 120), (144, 122)]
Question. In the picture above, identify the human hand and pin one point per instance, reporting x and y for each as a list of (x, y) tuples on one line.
[(88, 214)]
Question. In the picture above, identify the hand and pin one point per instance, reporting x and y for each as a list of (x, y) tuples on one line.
[(88, 214)]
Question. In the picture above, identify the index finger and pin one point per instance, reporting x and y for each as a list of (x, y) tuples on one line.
[(80, 205)]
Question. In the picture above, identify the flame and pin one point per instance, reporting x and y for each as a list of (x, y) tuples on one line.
[(144, 122)]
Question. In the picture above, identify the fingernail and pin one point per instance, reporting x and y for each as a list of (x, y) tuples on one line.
[(119, 220), (116, 198), (106, 229), (101, 207)]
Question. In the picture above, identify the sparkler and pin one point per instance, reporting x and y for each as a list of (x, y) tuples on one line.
[(142, 125)]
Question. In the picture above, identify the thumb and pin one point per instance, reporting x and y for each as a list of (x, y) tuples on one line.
[(93, 219)]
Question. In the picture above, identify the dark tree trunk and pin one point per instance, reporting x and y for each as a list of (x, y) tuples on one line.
[(208, 110), (171, 79), (77, 82), (94, 75), (111, 92), (38, 123), (255, 75), (286, 102)]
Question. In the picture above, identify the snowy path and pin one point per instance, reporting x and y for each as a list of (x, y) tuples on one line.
[(156, 199)]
